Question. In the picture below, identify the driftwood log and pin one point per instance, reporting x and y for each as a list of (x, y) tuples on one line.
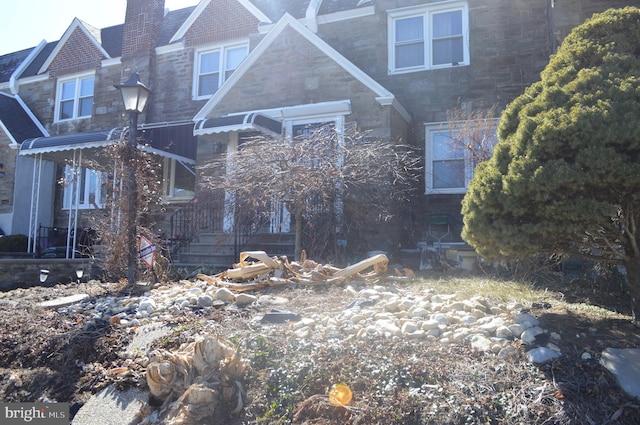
[(276, 271)]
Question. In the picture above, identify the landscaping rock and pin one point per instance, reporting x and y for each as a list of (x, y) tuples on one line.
[(111, 407), (542, 355), (624, 364)]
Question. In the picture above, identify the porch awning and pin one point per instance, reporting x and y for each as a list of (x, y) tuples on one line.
[(252, 121), (49, 146), (170, 140)]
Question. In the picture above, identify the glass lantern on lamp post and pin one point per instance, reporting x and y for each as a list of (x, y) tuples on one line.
[(134, 97)]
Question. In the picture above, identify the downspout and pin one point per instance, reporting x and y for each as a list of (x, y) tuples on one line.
[(13, 80), (311, 15)]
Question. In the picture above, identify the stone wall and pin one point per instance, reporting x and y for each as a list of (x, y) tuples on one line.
[(7, 174), (24, 273)]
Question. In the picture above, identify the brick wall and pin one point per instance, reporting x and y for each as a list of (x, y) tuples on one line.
[(78, 54), (221, 20)]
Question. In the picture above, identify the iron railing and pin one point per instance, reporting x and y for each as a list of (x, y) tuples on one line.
[(244, 231), (186, 223), (51, 242)]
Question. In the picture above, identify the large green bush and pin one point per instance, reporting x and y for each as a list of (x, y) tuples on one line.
[(565, 175)]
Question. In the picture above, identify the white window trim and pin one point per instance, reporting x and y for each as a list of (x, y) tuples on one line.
[(169, 179), (468, 164), (337, 120), (222, 71), (70, 187), (426, 11), (77, 78)]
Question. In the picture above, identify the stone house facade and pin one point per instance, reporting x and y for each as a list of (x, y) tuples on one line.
[(396, 68)]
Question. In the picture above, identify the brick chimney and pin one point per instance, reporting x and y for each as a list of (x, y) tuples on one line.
[(142, 26)]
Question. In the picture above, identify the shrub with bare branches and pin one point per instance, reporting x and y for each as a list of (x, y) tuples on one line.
[(334, 184)]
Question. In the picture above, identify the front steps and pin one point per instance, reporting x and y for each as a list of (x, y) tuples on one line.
[(216, 250)]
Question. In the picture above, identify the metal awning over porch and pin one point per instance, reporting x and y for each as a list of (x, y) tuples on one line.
[(55, 148), (251, 121), (169, 140)]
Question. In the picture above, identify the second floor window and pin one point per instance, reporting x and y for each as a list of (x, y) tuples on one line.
[(75, 97), (428, 37), (215, 66)]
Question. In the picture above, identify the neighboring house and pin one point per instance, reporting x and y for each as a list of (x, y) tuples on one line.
[(224, 68)]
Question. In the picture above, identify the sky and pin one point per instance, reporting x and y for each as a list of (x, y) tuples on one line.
[(25, 23)]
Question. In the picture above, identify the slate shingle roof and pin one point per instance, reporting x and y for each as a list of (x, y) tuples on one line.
[(33, 68), (10, 62), (16, 120), (112, 40), (172, 23)]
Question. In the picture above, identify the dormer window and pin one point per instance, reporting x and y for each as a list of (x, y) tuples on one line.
[(75, 97), (428, 37), (214, 66)]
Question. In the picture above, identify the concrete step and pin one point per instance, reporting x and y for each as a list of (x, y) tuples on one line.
[(204, 248), (217, 261)]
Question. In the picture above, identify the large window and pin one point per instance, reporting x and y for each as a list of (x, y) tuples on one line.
[(75, 97), (453, 151), (84, 186), (428, 37), (215, 66), (179, 180)]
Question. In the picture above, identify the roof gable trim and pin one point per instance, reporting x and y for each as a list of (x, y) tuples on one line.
[(13, 80), (16, 143)]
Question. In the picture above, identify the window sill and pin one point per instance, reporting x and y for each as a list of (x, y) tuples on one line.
[(73, 119)]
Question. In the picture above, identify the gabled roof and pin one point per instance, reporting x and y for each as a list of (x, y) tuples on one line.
[(383, 96), (90, 32), (17, 120), (203, 5)]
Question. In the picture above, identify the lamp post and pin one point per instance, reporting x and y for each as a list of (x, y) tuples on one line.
[(134, 96)]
